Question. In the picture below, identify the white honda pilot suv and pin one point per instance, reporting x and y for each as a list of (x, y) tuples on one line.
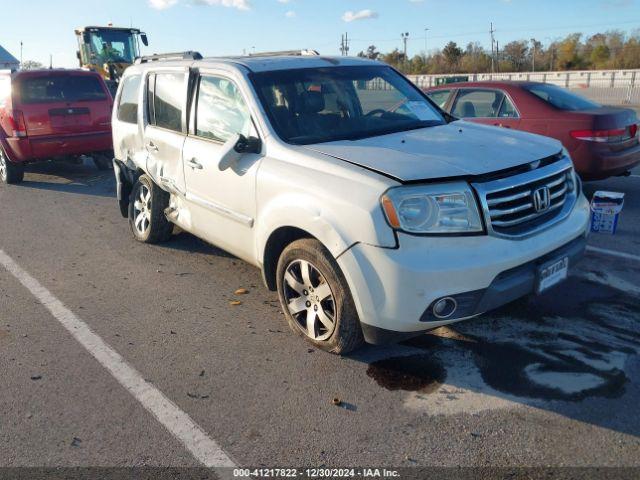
[(374, 214)]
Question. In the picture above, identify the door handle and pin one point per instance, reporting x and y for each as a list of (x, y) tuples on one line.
[(152, 147), (193, 163)]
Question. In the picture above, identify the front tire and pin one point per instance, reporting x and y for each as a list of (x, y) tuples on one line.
[(10, 172), (147, 204), (316, 299)]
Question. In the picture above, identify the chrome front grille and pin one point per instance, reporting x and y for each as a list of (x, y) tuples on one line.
[(522, 204)]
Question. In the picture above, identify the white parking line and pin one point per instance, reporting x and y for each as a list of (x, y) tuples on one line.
[(188, 432), (614, 253)]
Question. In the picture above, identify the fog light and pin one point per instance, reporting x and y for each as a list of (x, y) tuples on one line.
[(445, 308)]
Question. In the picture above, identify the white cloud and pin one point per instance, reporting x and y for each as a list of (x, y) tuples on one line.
[(360, 15), (162, 4), (290, 14), (239, 4), (284, 1)]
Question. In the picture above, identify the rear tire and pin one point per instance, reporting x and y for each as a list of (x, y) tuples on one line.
[(147, 204), (102, 162), (316, 299), (10, 172)]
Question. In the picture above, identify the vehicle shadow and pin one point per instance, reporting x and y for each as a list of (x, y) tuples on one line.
[(81, 179), (188, 243), (574, 351)]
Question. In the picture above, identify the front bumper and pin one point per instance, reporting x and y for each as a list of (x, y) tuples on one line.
[(393, 288)]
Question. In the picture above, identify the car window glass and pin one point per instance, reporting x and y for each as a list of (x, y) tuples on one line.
[(561, 98), (61, 88), (221, 111), (439, 97), (325, 104), (507, 110), (370, 100), (477, 103), (168, 100), (128, 106)]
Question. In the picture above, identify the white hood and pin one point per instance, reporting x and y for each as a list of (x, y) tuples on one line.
[(457, 149)]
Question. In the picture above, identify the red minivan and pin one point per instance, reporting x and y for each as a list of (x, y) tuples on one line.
[(51, 115)]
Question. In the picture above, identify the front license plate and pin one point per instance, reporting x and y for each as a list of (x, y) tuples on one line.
[(552, 273)]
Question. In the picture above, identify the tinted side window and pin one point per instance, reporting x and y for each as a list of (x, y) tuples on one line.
[(128, 106), (168, 100), (477, 103), (507, 110), (221, 111), (439, 97)]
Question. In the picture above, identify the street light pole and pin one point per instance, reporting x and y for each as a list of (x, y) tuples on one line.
[(405, 39)]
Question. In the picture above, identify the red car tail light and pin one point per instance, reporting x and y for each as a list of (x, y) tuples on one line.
[(606, 136), (16, 123)]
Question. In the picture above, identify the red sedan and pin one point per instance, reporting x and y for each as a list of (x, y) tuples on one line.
[(603, 141)]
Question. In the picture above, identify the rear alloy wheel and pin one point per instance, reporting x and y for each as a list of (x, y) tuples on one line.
[(146, 212), (316, 299), (10, 172)]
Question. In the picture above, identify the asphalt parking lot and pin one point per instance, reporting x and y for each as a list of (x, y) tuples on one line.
[(547, 381)]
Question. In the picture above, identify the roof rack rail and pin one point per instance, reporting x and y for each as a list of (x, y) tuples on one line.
[(295, 53), (189, 55)]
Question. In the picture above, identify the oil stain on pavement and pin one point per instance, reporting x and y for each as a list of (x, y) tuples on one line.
[(568, 344)]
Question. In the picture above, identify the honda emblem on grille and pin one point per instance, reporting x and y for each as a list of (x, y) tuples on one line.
[(541, 199)]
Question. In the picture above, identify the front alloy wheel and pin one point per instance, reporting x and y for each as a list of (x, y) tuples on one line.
[(309, 300), (315, 297)]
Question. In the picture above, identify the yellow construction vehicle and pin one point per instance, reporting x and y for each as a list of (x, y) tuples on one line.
[(109, 50)]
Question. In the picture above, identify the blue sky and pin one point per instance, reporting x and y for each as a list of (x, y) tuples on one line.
[(224, 27)]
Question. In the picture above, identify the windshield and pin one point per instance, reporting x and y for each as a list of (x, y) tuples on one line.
[(561, 98), (315, 105), (113, 46)]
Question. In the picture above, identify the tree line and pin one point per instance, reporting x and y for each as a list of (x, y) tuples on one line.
[(610, 50)]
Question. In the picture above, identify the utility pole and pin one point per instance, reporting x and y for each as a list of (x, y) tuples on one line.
[(491, 32), (405, 39), (498, 55), (425, 44), (533, 55), (344, 45), (20, 54), (50, 62)]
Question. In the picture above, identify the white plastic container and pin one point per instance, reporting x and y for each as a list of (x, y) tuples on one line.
[(605, 211)]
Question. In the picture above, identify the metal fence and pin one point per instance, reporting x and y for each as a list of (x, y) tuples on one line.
[(610, 87)]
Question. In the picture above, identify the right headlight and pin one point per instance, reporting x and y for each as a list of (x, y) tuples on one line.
[(433, 209)]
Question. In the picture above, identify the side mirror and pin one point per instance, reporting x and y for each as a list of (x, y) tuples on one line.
[(145, 40), (235, 148), (248, 145)]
